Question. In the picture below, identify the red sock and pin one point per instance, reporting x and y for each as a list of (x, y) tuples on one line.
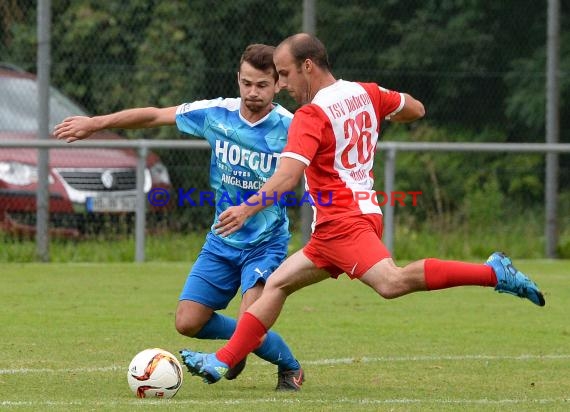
[(442, 274), (246, 338)]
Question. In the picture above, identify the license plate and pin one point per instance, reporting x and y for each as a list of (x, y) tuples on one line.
[(111, 204)]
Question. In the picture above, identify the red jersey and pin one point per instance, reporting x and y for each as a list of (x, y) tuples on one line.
[(335, 136)]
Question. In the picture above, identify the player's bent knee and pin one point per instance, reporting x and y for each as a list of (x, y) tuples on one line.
[(387, 293), (186, 329), (278, 291), (387, 283), (191, 317), (187, 326)]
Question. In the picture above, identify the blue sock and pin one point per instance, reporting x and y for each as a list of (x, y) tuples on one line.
[(218, 327), (273, 350)]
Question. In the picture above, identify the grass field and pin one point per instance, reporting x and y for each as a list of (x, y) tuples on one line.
[(69, 331)]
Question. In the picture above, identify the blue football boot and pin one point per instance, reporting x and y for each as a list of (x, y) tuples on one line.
[(510, 280), (205, 365)]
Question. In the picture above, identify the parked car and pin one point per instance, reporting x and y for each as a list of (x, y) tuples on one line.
[(84, 184)]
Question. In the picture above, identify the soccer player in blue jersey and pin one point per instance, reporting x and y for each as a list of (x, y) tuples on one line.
[(246, 135)]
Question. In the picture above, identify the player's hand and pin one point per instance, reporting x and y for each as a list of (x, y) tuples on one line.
[(231, 220), (75, 128)]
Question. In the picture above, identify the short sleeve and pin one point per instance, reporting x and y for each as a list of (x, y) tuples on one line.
[(305, 133), (387, 102)]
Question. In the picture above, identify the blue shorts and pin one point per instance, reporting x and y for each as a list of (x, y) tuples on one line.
[(220, 270)]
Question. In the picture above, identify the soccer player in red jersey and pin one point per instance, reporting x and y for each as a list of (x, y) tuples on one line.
[(332, 141)]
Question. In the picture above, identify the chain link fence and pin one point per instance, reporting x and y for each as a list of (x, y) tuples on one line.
[(477, 66)]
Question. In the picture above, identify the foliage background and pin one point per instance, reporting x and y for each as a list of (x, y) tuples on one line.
[(478, 66)]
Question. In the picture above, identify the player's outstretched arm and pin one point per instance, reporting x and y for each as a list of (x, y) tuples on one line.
[(81, 127)]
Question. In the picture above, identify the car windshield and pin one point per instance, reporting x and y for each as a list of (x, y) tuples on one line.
[(19, 106)]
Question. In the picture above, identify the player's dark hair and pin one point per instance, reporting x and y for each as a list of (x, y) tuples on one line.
[(305, 46), (260, 56)]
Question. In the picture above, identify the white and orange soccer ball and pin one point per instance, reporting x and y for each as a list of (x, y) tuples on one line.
[(155, 373)]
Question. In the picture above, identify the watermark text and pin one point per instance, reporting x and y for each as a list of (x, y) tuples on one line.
[(159, 197)]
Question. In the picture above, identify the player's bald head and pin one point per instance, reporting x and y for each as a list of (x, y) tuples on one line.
[(303, 46)]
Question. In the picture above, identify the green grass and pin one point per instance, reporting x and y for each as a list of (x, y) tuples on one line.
[(69, 331)]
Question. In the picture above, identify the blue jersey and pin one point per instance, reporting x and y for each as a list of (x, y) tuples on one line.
[(244, 156)]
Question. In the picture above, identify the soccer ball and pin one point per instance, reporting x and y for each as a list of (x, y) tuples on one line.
[(155, 373)]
